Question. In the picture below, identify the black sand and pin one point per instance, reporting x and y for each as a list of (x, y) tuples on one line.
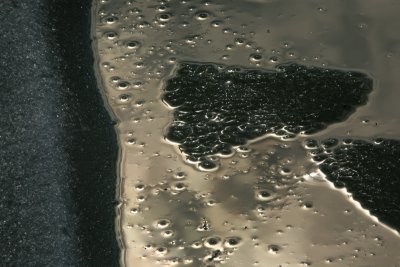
[(58, 146)]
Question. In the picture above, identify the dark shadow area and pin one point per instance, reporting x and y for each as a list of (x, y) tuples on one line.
[(90, 136), (58, 146), (369, 171), (218, 106)]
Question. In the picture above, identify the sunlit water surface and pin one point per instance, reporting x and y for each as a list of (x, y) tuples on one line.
[(268, 204)]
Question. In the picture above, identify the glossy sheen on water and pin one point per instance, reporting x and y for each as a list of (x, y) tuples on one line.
[(273, 199)]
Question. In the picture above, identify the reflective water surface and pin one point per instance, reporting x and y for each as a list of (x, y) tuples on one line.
[(266, 203)]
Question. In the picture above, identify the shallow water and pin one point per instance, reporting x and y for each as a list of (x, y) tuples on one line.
[(268, 203)]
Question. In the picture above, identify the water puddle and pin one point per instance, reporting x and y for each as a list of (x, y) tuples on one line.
[(256, 133)]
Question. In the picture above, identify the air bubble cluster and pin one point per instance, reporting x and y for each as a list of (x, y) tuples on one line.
[(218, 107), (362, 167)]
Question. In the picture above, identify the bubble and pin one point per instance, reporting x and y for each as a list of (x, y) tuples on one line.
[(226, 30), (179, 186), (139, 65), (263, 195), (140, 102), (148, 246), (172, 60), (164, 17), (161, 251), (308, 205), (212, 242), (211, 202), (202, 15), (330, 142), (240, 41), (347, 141), (125, 98), (137, 84), (111, 35), (132, 44), (163, 223), (131, 141), (261, 209), (229, 47), (273, 59), (320, 158), (208, 165), (286, 45), (167, 233), (115, 79), (232, 242), (135, 210), (123, 85), (180, 175), (310, 143), (243, 149), (178, 133), (249, 44), (139, 187), (162, 8), (192, 8), (216, 23), (111, 20), (285, 171), (305, 263), (256, 57), (279, 232), (187, 261), (225, 57), (197, 245), (184, 24), (143, 25), (274, 249)]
